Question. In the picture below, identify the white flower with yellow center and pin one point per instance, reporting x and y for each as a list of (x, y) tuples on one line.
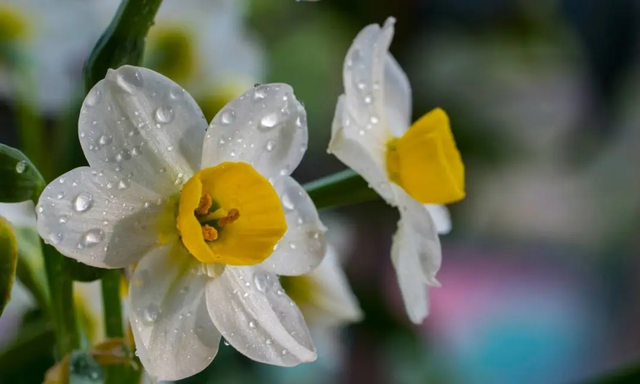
[(412, 167), (210, 215)]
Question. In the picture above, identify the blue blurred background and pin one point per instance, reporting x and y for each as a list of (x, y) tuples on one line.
[(540, 275)]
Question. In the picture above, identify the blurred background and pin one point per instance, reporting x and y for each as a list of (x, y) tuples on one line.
[(540, 276)]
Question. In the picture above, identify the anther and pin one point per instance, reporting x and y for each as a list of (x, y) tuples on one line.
[(206, 201), (232, 216), (209, 233)]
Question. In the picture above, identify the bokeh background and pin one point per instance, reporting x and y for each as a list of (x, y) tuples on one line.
[(540, 276)]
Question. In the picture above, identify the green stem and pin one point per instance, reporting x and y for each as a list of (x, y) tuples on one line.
[(62, 307), (342, 188), (32, 132), (123, 41), (112, 304)]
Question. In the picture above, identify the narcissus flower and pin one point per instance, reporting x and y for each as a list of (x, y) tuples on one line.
[(210, 216), (415, 167)]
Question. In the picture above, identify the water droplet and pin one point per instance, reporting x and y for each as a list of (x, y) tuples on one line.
[(137, 150), (252, 324), (285, 170), (82, 202), (280, 292), (63, 219), (105, 140), (60, 195), (361, 85), (287, 203), (226, 343), (164, 115), (62, 180), (270, 145), (233, 153), (93, 98), (284, 352), (151, 313), (56, 238), (91, 238), (129, 79), (259, 93), (263, 281), (123, 184), (170, 148), (301, 122), (268, 122), (268, 341), (292, 245), (178, 179), (374, 119), (21, 166), (228, 116), (368, 100), (175, 93)]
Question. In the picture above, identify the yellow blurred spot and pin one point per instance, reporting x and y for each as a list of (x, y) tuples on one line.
[(14, 25), (298, 288), (425, 161), (172, 52), (241, 240)]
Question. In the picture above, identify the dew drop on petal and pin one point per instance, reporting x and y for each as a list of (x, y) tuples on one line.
[(252, 324), (270, 146), (56, 238), (226, 343), (63, 219), (285, 170), (176, 93), (93, 98), (287, 203), (21, 166), (129, 79), (164, 115), (105, 140), (91, 238), (151, 313), (263, 281), (269, 121), (228, 116), (82, 202)]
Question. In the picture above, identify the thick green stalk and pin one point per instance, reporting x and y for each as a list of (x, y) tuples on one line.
[(342, 188), (123, 41), (112, 304), (62, 308)]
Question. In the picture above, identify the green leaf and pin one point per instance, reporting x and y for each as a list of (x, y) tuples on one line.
[(19, 178), (82, 272), (123, 41), (342, 188), (8, 261), (30, 269)]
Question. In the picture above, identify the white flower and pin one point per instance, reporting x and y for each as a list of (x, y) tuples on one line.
[(193, 207), (324, 295), (408, 166), (52, 39)]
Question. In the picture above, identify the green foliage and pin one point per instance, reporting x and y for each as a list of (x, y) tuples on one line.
[(342, 188), (19, 178), (8, 261)]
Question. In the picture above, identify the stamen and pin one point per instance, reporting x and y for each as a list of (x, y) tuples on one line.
[(209, 233), (206, 201), (232, 216)]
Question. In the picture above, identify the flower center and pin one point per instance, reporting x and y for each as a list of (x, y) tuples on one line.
[(230, 214), (425, 161)]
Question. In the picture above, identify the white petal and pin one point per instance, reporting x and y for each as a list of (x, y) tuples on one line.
[(265, 127), (91, 217), (441, 217), (143, 127), (377, 90), (333, 301), (397, 96), (174, 335), (360, 152), (416, 254), (250, 309), (303, 246)]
